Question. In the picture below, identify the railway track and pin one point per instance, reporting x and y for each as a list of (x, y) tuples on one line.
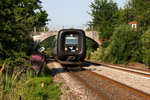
[(105, 88), (100, 94), (100, 86), (136, 71)]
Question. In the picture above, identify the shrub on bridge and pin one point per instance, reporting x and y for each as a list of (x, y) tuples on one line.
[(122, 46)]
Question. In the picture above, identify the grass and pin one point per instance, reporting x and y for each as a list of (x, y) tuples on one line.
[(40, 88), (25, 85)]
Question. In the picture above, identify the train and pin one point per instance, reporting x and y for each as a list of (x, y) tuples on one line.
[(70, 46)]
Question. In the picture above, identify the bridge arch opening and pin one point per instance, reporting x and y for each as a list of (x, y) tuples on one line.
[(48, 44), (91, 46), (94, 42)]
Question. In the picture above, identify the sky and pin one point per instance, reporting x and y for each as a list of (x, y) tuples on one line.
[(70, 12)]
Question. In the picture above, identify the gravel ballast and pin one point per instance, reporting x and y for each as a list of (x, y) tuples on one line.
[(74, 90), (70, 87), (139, 82)]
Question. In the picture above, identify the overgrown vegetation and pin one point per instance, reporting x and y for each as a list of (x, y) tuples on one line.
[(90, 47), (24, 84), (22, 76), (120, 43), (145, 48)]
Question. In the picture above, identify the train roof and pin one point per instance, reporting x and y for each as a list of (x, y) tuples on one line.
[(71, 30)]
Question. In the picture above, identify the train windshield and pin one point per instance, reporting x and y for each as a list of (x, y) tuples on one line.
[(71, 39)]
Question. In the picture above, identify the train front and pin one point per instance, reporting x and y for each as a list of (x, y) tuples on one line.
[(71, 46)]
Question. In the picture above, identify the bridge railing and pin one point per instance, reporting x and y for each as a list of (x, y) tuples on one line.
[(56, 28)]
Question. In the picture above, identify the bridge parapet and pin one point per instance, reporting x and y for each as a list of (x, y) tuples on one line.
[(40, 36)]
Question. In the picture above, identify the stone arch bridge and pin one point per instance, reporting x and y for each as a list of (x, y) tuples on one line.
[(38, 37)]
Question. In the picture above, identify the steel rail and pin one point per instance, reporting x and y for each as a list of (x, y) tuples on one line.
[(140, 69), (121, 68), (131, 89), (142, 94), (100, 94)]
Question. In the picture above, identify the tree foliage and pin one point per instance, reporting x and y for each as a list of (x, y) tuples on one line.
[(145, 40), (122, 46), (103, 16), (17, 19), (140, 11), (124, 16)]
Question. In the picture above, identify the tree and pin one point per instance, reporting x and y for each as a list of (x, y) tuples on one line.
[(124, 16), (103, 16), (122, 46), (141, 12), (17, 19), (145, 41)]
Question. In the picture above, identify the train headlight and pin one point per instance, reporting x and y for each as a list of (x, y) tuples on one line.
[(77, 49), (66, 49)]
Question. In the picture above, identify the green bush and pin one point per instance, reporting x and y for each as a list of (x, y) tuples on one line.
[(88, 54), (105, 44), (122, 45), (97, 55), (90, 47), (145, 41)]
